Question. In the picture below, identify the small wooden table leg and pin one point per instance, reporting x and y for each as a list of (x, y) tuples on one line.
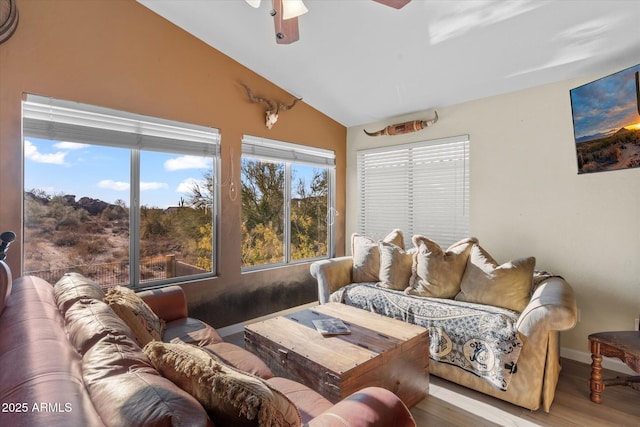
[(595, 383), (625, 345)]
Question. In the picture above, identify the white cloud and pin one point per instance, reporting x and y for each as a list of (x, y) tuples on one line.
[(65, 145), (187, 162), (124, 186), (153, 185), (187, 185), (31, 152), (114, 185)]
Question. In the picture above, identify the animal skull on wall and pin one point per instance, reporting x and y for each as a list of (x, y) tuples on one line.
[(405, 127), (274, 108)]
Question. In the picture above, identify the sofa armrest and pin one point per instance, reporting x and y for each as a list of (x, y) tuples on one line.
[(169, 303), (552, 307), (369, 407), (331, 274)]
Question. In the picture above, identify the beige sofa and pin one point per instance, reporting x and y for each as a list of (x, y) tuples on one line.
[(535, 305)]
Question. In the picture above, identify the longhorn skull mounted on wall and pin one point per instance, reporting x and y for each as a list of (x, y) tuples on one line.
[(274, 108), (405, 127)]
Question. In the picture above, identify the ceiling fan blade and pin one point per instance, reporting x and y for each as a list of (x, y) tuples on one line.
[(396, 4), (286, 29)]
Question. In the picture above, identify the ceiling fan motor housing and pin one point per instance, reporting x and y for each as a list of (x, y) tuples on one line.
[(286, 29)]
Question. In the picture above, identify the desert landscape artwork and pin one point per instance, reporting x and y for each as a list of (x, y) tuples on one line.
[(606, 122)]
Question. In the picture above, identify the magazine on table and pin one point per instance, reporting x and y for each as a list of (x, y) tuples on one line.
[(328, 327)]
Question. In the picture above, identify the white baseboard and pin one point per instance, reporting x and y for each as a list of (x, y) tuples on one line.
[(239, 327), (612, 364)]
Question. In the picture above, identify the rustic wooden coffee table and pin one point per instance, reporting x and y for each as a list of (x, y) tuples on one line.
[(379, 351)]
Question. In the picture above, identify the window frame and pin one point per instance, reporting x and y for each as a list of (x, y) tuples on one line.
[(290, 154), (56, 120), (397, 184)]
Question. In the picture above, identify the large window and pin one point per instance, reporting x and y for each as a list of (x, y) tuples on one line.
[(124, 199), (287, 202), (421, 188)]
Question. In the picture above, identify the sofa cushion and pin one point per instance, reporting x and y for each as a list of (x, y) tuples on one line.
[(139, 398), (240, 358), (144, 323), (231, 397), (123, 384), (507, 285), (310, 403), (128, 391), (437, 273), (112, 355), (366, 255), (73, 287), (191, 331), (395, 266), (89, 320)]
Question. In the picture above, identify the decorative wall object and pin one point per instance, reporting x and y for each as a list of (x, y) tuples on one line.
[(606, 122), (406, 127), (274, 107), (8, 19)]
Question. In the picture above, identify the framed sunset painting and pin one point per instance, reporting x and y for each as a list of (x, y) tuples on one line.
[(606, 122)]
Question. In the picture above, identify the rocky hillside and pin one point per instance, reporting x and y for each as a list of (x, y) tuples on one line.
[(60, 231)]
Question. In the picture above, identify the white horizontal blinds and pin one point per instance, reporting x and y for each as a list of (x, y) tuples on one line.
[(421, 188), (269, 149), (384, 191), (441, 190), (61, 120)]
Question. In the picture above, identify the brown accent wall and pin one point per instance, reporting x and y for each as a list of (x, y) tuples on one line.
[(119, 54)]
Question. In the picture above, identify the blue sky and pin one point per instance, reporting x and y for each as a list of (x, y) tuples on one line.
[(99, 172), (605, 105), (104, 172)]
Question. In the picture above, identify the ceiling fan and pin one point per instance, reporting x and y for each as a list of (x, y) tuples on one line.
[(285, 16)]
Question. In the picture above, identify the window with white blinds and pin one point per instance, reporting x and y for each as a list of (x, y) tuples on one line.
[(420, 188), (61, 120), (132, 198), (288, 202), (279, 151)]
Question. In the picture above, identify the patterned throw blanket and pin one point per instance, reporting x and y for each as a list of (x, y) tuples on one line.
[(478, 338)]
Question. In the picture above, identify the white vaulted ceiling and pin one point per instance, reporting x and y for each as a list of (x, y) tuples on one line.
[(358, 61)]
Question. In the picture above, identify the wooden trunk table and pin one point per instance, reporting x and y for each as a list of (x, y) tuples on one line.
[(625, 345), (379, 351)]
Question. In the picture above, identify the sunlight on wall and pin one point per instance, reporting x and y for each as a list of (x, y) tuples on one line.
[(455, 21), (577, 43)]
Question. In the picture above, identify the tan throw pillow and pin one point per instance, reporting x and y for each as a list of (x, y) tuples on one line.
[(366, 255), (437, 273), (231, 397), (144, 323), (507, 285), (395, 266)]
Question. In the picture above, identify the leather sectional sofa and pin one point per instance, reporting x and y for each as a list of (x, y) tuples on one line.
[(67, 359)]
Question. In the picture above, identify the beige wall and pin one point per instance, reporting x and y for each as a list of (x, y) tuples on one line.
[(121, 55), (527, 199)]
